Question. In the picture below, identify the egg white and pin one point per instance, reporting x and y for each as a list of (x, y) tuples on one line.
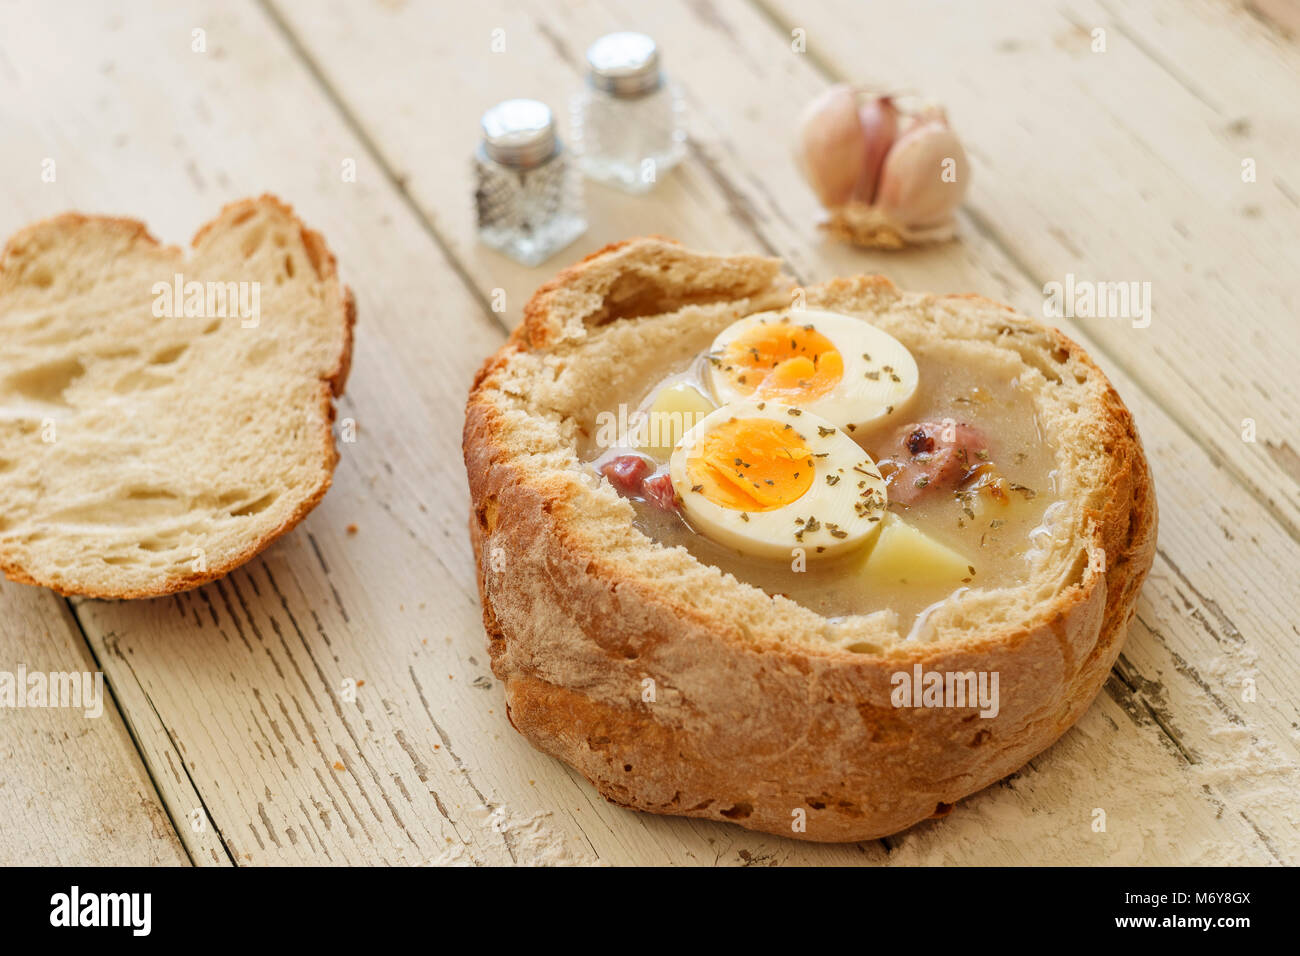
[(843, 513), (871, 389)]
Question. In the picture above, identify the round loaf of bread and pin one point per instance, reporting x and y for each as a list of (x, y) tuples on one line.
[(678, 689)]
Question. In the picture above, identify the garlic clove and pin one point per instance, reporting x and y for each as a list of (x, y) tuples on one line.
[(831, 148), (879, 120), (925, 175)]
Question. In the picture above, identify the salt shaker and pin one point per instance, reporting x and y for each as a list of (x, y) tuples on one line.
[(528, 199), (628, 119)]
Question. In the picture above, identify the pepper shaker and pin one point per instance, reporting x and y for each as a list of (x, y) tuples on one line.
[(628, 119), (527, 197)]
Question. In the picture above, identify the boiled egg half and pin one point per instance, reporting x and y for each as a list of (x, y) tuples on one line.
[(766, 478), (833, 365)]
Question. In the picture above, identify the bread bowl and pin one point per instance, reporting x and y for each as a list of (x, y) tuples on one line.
[(677, 687)]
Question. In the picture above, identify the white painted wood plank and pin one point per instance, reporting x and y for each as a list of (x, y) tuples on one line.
[(73, 791)]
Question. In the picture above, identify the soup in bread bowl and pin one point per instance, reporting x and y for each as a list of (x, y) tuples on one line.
[(818, 565)]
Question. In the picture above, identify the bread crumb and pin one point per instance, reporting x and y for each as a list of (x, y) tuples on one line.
[(338, 765), (352, 529)]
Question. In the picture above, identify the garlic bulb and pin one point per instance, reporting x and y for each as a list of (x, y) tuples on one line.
[(888, 176)]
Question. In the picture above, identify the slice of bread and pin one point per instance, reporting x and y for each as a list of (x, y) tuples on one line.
[(678, 689), (151, 441)]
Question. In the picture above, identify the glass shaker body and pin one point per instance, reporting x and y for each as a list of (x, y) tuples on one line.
[(527, 194), (628, 119), (628, 143)]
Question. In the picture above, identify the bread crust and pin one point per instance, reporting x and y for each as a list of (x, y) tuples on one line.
[(748, 724), (332, 386)]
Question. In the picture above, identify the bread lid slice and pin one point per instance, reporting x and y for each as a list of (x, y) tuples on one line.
[(164, 417)]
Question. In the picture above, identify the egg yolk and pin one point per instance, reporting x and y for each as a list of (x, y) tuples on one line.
[(751, 464), (782, 361)]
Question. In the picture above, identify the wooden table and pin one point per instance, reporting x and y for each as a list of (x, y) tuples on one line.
[(230, 739)]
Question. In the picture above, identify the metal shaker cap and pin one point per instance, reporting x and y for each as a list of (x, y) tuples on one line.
[(519, 133), (624, 64)]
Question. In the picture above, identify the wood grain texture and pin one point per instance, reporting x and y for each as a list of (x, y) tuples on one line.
[(237, 694), (73, 790)]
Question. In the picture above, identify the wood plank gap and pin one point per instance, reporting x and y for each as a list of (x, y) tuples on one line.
[(197, 792), (1145, 48), (1280, 31), (1134, 681), (773, 16), (398, 182), (740, 208), (128, 721), (1263, 838), (135, 742)]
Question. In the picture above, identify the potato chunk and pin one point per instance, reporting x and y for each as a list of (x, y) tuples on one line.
[(672, 413), (902, 554)]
